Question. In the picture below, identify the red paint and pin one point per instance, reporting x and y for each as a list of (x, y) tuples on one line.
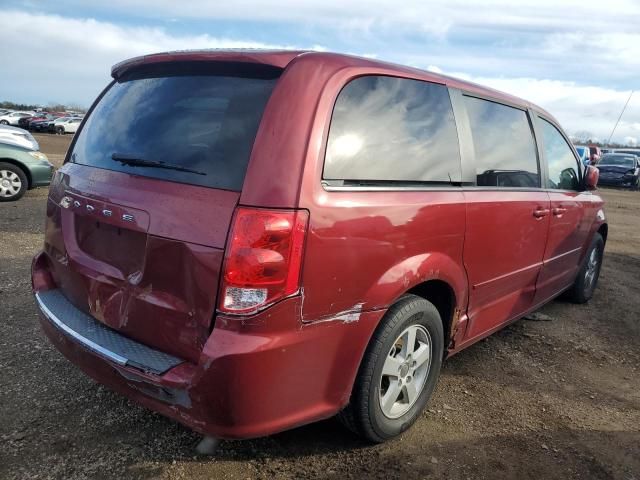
[(504, 248), (591, 177), (156, 279)]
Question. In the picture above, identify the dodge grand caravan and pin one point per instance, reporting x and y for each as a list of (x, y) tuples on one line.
[(250, 241)]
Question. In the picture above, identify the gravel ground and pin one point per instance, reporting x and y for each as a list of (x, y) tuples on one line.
[(552, 399)]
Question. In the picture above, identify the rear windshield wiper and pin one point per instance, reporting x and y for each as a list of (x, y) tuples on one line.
[(134, 161)]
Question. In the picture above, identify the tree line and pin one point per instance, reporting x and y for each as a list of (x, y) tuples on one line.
[(50, 107)]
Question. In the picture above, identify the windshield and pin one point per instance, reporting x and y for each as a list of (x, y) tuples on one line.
[(201, 122), (618, 160)]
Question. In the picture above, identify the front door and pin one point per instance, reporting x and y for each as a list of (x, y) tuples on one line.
[(568, 226)]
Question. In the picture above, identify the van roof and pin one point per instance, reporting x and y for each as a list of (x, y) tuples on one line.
[(282, 58)]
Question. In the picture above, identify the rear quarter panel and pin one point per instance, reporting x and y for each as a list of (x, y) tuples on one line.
[(366, 248)]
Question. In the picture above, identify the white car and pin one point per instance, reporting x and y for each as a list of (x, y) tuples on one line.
[(66, 125), (13, 117), (19, 137)]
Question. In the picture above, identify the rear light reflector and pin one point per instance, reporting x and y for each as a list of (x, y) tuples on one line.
[(263, 258)]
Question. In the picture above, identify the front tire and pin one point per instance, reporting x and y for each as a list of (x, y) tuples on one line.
[(399, 371), (60, 131), (587, 279), (13, 182)]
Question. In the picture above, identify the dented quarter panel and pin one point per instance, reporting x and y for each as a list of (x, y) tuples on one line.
[(368, 248), (382, 237)]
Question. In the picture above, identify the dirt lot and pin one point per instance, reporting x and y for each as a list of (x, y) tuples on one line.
[(541, 399)]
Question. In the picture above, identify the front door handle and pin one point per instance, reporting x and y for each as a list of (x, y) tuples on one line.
[(558, 211), (540, 212)]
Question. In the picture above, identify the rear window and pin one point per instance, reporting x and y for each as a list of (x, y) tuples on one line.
[(198, 121), (387, 129)]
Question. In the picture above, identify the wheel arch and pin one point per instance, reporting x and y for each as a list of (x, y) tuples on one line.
[(443, 297), (603, 230), (435, 277)]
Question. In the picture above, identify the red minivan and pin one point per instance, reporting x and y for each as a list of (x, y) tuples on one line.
[(251, 241)]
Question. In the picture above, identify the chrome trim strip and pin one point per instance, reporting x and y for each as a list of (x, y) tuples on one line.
[(108, 354), (507, 275), (557, 257)]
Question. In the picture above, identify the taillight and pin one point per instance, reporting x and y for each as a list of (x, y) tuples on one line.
[(263, 258)]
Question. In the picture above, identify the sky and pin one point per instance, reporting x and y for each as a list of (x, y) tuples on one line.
[(578, 59)]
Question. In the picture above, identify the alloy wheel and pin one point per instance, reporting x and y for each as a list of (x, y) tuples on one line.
[(592, 269), (405, 371)]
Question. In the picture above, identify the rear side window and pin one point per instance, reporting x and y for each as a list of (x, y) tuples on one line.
[(387, 129), (562, 164), (194, 119), (505, 151)]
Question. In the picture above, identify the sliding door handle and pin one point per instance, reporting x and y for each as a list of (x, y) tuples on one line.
[(540, 212), (558, 211)]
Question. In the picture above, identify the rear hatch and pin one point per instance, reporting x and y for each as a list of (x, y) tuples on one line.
[(139, 215)]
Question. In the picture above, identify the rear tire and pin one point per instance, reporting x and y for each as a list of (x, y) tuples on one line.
[(13, 182), (399, 371), (585, 284)]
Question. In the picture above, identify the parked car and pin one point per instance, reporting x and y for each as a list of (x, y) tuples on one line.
[(18, 136), (42, 125), (22, 165), (27, 122), (23, 122), (620, 170), (584, 153), (53, 124), (256, 241), (13, 118), (69, 125), (595, 154), (630, 151)]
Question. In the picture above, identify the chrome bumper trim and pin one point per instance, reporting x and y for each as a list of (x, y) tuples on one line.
[(114, 357)]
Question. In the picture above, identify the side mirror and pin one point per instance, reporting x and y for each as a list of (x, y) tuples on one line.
[(591, 175)]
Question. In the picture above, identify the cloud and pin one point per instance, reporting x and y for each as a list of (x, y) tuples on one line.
[(577, 59), (578, 108), (56, 58)]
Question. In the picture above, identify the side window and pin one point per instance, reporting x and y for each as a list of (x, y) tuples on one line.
[(505, 151), (393, 129), (562, 164)]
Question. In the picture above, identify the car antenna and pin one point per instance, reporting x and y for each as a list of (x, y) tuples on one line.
[(618, 121)]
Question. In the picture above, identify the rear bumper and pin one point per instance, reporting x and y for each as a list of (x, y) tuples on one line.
[(100, 339), (255, 376)]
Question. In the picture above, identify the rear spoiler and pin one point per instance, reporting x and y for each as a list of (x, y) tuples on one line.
[(279, 59)]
